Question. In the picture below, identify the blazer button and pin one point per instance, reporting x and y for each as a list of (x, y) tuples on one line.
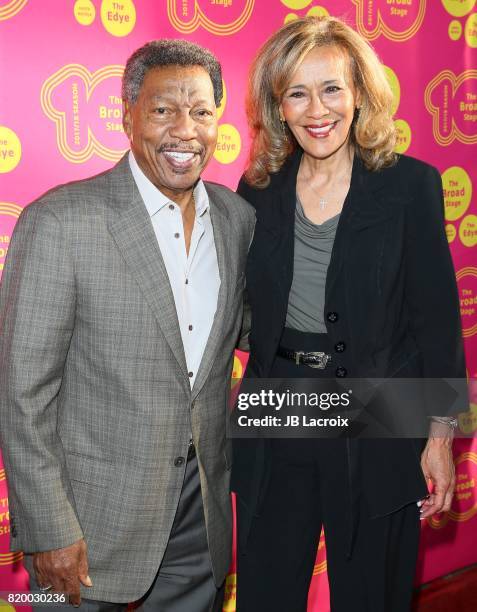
[(340, 347), (178, 461), (332, 317), (341, 372)]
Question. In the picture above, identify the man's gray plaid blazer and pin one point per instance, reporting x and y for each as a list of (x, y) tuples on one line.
[(95, 397)]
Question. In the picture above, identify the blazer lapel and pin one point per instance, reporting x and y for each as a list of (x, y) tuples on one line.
[(362, 208), (221, 228), (132, 230), (286, 224)]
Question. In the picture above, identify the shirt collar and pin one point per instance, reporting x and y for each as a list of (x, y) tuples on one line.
[(155, 200)]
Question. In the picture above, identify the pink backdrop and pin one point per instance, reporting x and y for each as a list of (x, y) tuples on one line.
[(60, 120)]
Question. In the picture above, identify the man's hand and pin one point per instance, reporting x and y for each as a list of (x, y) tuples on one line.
[(438, 467), (64, 569)]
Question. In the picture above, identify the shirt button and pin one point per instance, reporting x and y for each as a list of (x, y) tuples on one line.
[(340, 347), (332, 317), (176, 235), (171, 206), (341, 372), (178, 461), (190, 328), (191, 374), (187, 281)]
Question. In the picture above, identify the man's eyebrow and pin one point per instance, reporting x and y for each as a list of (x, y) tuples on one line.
[(166, 96)]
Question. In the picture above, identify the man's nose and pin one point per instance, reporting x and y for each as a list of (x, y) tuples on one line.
[(183, 127)]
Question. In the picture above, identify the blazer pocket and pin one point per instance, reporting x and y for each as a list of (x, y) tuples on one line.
[(91, 470)]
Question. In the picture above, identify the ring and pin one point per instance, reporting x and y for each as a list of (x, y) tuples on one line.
[(47, 588)]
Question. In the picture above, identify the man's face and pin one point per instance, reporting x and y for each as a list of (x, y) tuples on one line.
[(172, 127)]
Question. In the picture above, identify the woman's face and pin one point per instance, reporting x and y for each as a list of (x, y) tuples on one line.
[(319, 102)]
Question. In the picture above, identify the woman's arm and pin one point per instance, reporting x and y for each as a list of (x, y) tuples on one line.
[(432, 300)]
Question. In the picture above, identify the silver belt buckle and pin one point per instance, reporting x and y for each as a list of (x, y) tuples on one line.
[(322, 360)]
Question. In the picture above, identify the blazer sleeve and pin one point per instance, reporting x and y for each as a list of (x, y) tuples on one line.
[(37, 316), (431, 289), (246, 192), (243, 342)]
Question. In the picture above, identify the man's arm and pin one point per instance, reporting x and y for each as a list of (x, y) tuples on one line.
[(243, 344), (37, 314)]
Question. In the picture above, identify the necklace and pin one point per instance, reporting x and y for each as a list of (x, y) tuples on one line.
[(323, 200)]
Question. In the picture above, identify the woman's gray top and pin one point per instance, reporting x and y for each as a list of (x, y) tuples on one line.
[(313, 244)]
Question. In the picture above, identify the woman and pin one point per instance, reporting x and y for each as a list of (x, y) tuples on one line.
[(349, 259)]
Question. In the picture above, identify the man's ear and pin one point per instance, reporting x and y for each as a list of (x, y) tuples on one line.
[(127, 119)]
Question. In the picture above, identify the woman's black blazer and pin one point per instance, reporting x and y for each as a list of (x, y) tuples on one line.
[(391, 308)]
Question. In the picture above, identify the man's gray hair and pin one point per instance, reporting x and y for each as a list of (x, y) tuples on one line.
[(169, 52)]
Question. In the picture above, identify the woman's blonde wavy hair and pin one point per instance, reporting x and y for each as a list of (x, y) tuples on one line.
[(372, 132)]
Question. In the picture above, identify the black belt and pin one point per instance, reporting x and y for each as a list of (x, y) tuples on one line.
[(313, 359)]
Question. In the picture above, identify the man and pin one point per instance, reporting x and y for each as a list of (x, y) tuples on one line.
[(120, 308)]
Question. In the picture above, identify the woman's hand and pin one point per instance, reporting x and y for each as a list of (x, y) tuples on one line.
[(438, 467)]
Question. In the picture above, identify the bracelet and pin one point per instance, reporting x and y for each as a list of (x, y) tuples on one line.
[(451, 422)]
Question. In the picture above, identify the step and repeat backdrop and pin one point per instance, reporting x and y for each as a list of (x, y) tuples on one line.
[(60, 120)]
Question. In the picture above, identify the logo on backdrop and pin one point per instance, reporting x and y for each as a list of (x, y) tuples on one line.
[(452, 102), (6, 558), (219, 17), (320, 562), (457, 188), (464, 504), (470, 30), (230, 596), (468, 420), (467, 284), (461, 8), (10, 150), (314, 11), (458, 8), (118, 18), (86, 109), (237, 371), (10, 8), (398, 20), (229, 143), (403, 129), (9, 214)]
